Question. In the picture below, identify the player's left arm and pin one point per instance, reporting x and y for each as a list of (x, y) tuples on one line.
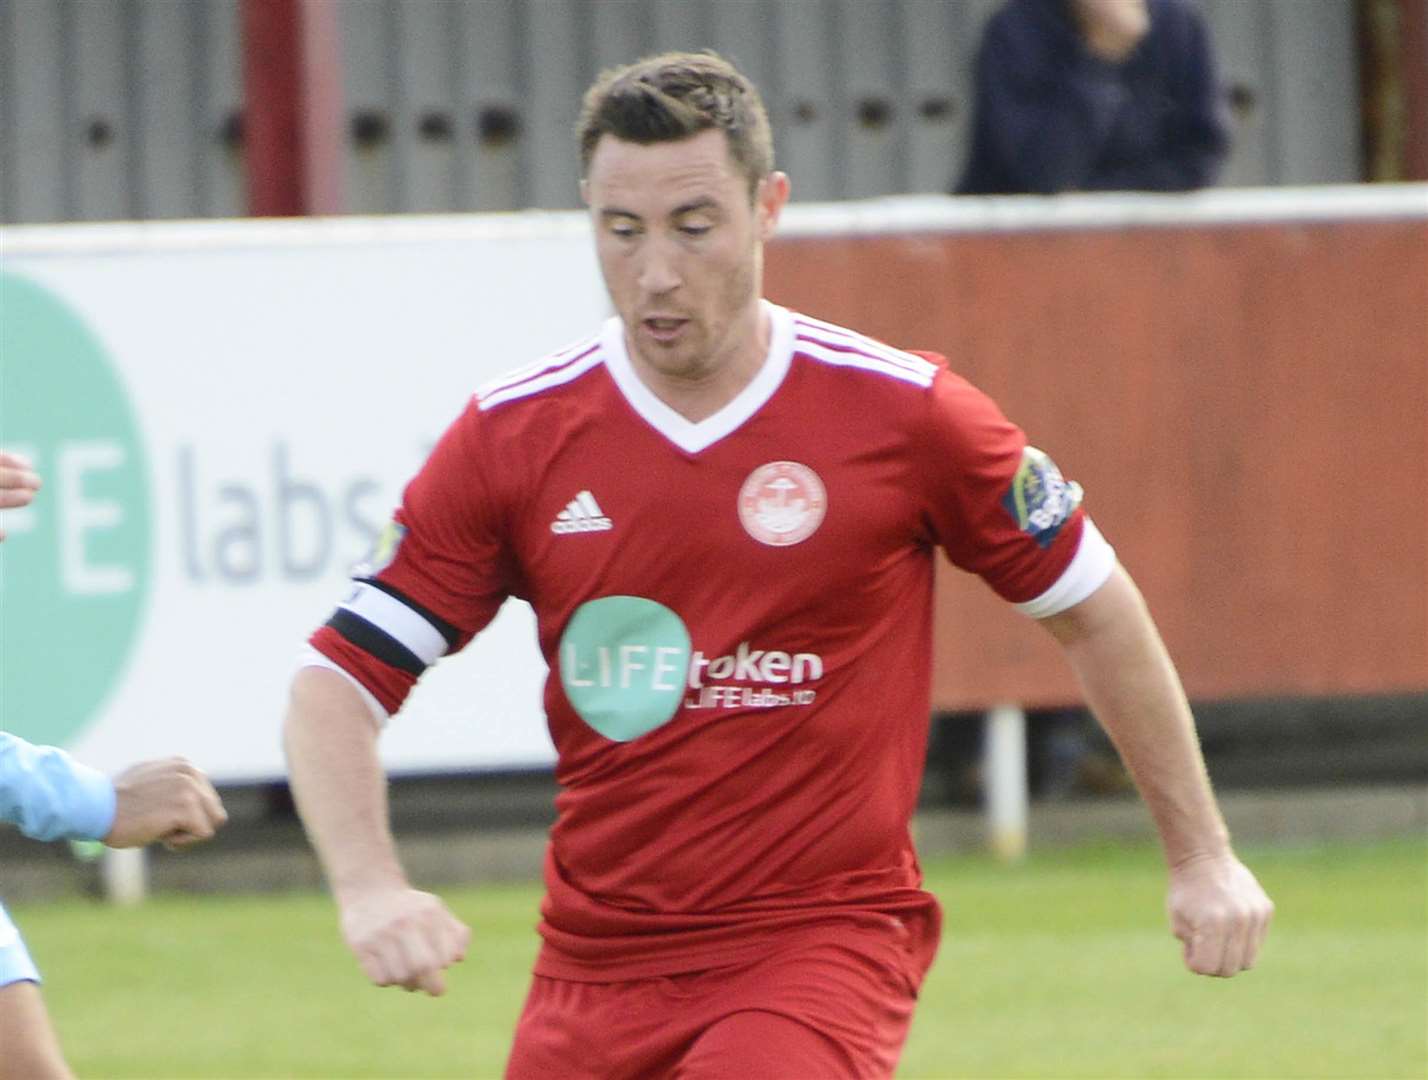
[(1216, 907)]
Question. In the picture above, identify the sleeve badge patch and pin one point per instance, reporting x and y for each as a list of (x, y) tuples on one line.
[(1040, 499), (383, 551)]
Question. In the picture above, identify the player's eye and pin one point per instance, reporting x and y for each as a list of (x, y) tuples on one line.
[(695, 230)]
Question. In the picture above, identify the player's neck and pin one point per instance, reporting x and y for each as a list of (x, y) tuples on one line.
[(700, 390)]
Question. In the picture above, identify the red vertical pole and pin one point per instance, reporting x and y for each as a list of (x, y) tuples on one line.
[(293, 107), (272, 137)]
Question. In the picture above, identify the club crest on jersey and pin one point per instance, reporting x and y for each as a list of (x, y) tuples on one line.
[(383, 551), (1040, 499), (782, 503)]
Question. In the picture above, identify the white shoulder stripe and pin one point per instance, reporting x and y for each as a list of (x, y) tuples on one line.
[(393, 617), (840, 358), (871, 348), (557, 376), (866, 347), (545, 363), (841, 336)]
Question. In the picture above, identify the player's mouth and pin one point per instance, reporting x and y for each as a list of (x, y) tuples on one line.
[(664, 329)]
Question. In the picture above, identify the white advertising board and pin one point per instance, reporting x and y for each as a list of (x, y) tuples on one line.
[(224, 415)]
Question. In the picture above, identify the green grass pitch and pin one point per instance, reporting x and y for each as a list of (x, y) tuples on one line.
[(1059, 967)]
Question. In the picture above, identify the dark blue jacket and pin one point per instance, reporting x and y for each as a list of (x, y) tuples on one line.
[(1050, 116)]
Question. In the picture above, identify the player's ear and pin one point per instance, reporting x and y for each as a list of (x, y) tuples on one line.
[(769, 201)]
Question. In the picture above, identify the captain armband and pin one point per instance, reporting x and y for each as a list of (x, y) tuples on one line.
[(395, 630)]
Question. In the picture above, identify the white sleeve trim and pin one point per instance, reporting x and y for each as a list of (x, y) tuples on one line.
[(1090, 567), (310, 657)]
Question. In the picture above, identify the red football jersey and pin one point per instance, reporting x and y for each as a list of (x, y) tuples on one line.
[(737, 618)]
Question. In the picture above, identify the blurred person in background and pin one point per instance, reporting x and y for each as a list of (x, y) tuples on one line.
[(725, 516), (50, 796), (1095, 95)]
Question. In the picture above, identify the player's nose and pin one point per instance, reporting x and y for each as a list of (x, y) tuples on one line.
[(659, 270)]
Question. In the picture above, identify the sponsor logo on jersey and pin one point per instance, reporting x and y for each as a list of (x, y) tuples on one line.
[(582, 514), (627, 665), (1040, 499), (782, 503), (747, 664), (623, 663)]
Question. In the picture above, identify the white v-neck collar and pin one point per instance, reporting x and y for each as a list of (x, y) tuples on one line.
[(688, 435)]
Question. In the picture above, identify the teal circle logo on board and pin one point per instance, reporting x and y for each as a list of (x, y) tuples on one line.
[(623, 665), (75, 567)]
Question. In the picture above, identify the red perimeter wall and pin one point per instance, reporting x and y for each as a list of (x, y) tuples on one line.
[(1246, 407)]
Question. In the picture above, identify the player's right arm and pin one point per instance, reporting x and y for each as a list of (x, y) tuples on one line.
[(400, 935), (435, 580)]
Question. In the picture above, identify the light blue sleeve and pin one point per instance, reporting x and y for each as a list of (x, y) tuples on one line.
[(50, 796), (15, 962)]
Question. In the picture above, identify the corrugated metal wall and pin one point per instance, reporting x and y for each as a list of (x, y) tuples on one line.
[(471, 104), (114, 109), (1290, 68), (130, 108)]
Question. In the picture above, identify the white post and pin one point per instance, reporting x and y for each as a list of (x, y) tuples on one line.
[(124, 874), (1004, 769)]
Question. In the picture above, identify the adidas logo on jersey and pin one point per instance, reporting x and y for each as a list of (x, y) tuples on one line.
[(582, 514)]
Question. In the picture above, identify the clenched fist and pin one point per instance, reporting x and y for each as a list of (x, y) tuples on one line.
[(1220, 913), (18, 482), (169, 800), (403, 937)]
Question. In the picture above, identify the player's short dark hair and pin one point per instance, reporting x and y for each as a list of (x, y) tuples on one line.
[(673, 96)]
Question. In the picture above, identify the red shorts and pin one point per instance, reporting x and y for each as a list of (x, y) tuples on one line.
[(819, 1012)]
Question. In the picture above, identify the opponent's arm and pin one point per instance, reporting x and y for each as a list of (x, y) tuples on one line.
[(401, 936), (1216, 906), (32, 1051), (50, 796)]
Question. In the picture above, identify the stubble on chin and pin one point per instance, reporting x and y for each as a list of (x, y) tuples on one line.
[(685, 361)]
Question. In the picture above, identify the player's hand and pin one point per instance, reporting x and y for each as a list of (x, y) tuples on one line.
[(1220, 913), (169, 800), (18, 482), (1112, 28), (403, 937)]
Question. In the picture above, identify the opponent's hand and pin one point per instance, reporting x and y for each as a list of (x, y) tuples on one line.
[(169, 800), (18, 482), (1220, 913), (403, 937)]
